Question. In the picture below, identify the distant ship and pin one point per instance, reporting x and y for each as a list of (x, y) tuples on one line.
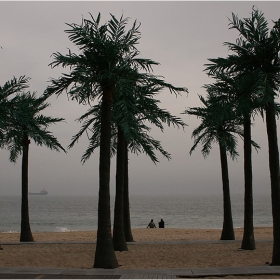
[(42, 192)]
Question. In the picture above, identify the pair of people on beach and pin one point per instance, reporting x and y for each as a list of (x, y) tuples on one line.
[(152, 224)]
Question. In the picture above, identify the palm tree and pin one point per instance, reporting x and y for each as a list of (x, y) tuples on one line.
[(266, 53), (218, 124), (258, 52), (240, 90), (147, 110), (263, 57), (24, 124), (108, 57), (130, 125)]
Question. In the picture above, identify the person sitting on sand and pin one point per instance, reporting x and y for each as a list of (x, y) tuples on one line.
[(161, 224), (151, 224)]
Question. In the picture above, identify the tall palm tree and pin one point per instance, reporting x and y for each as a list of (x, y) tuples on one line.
[(263, 52), (24, 124), (218, 124), (257, 51), (128, 123), (147, 109), (108, 56), (263, 57), (240, 90)]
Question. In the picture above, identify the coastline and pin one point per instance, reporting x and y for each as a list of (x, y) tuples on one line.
[(155, 255), (141, 235)]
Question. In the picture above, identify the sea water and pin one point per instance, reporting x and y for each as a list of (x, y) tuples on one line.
[(79, 213)]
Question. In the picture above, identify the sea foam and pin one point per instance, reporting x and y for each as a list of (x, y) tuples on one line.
[(62, 229)]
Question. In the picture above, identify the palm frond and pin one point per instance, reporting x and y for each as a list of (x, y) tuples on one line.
[(25, 119)]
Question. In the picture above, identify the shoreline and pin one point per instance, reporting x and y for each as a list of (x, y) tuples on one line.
[(142, 234)]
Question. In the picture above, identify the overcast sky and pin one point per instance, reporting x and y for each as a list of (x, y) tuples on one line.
[(181, 36)]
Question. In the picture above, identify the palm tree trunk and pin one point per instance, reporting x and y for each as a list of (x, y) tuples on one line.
[(25, 230), (274, 179), (228, 230), (126, 208), (248, 241), (105, 256), (118, 234)]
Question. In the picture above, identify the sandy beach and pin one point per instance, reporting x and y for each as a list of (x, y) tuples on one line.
[(138, 255)]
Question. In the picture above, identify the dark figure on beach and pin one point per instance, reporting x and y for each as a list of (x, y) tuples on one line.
[(151, 224), (161, 224)]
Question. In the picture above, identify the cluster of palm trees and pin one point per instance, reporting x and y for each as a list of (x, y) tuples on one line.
[(109, 71), (21, 121), (246, 83), (121, 90)]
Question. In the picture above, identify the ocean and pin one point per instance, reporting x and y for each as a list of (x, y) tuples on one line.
[(50, 213)]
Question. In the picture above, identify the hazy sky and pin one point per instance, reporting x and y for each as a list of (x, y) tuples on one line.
[(181, 36)]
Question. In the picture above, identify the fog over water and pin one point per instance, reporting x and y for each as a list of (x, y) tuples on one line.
[(181, 36)]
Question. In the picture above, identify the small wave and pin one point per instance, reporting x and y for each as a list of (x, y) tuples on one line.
[(63, 229), (10, 231)]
